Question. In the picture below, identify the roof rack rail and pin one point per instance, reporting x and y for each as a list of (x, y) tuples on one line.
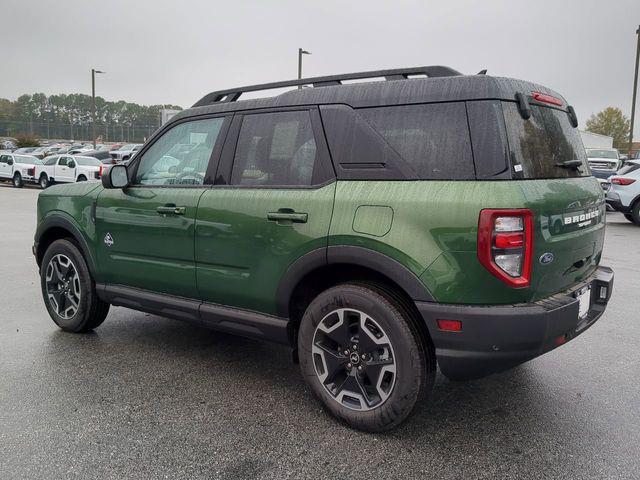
[(231, 95)]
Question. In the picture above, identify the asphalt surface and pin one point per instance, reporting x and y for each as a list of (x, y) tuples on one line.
[(147, 397)]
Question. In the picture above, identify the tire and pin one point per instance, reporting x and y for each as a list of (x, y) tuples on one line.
[(17, 180), (635, 212), (82, 178), (75, 307), (43, 181), (396, 372), (629, 217)]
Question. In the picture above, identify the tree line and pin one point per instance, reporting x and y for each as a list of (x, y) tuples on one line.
[(69, 117)]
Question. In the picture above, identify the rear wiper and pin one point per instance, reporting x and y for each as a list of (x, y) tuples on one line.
[(572, 164)]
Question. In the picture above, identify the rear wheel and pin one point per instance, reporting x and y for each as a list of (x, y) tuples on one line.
[(17, 180), (82, 178), (361, 356), (635, 213), (68, 289), (43, 181), (629, 217)]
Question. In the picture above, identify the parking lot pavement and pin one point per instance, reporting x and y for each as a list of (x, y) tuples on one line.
[(147, 397)]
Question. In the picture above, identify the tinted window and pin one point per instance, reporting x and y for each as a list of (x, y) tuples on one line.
[(539, 144), (63, 161), (275, 149), (4, 158), (433, 139), (630, 167), (164, 164)]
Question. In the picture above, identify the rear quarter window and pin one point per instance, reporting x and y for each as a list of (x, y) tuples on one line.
[(433, 139), (539, 144)]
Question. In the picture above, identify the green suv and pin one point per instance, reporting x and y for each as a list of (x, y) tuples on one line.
[(379, 229)]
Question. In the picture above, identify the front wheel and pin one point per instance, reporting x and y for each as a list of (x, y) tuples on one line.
[(362, 357), (629, 217), (68, 289), (17, 180), (635, 213)]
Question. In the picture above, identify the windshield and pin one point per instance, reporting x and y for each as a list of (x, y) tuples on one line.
[(545, 145), (88, 161), (127, 147), (613, 154)]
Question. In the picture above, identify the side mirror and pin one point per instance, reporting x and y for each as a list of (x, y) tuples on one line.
[(117, 176), (10, 162), (71, 164)]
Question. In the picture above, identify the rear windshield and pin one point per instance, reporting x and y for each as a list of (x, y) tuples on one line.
[(433, 139), (540, 144), (88, 161), (628, 168)]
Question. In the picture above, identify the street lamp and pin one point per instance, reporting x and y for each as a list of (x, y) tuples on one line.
[(93, 104), (300, 53), (635, 91)]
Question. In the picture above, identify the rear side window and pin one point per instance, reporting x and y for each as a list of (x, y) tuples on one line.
[(275, 149), (631, 167), (540, 144), (432, 139)]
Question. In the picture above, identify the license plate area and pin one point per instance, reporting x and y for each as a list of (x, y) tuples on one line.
[(584, 301)]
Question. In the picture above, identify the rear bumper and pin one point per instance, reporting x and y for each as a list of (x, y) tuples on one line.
[(614, 201), (495, 338)]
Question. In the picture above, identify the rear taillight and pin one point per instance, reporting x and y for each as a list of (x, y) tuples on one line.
[(622, 180), (505, 244), (544, 98), (100, 171)]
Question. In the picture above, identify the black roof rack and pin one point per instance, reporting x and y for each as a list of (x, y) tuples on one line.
[(231, 95)]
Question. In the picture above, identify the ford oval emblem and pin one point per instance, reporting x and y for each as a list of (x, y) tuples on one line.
[(546, 258)]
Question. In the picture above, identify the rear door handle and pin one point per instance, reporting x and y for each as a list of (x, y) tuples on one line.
[(286, 216), (171, 209)]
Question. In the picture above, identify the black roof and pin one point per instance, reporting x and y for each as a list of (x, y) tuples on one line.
[(443, 85)]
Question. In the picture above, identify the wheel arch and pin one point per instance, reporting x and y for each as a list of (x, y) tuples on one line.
[(323, 268), (56, 227)]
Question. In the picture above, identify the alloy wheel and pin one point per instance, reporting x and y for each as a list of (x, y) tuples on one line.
[(63, 286), (354, 359)]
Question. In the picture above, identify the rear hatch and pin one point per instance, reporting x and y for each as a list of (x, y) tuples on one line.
[(548, 158)]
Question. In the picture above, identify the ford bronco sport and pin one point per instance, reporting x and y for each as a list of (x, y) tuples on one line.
[(425, 217)]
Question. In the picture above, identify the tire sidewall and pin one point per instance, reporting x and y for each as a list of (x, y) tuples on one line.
[(79, 320), (411, 376), (17, 180), (43, 182)]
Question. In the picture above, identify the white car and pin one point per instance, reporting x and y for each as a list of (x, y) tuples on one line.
[(624, 191), (125, 152), (68, 169), (18, 168)]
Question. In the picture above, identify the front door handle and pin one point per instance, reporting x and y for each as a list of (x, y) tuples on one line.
[(171, 210), (286, 216)]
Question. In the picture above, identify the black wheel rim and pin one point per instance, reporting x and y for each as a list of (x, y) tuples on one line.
[(354, 359), (63, 286)]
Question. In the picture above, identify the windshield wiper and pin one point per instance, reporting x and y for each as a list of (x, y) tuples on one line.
[(572, 164)]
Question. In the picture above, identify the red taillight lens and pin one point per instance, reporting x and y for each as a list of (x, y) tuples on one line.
[(449, 325), (100, 172), (622, 180), (544, 98), (505, 244)]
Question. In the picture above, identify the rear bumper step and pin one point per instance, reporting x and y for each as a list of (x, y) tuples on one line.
[(498, 337)]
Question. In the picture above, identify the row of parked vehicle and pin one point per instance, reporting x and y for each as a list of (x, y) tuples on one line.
[(61, 163)]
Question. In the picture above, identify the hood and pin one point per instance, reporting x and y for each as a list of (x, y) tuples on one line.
[(79, 189)]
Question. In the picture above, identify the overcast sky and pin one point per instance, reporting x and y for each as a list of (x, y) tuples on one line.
[(155, 51)]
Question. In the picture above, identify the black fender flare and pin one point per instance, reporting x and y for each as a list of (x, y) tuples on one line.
[(59, 221), (349, 255)]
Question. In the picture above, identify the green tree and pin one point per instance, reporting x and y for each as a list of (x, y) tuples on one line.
[(613, 123), (26, 140)]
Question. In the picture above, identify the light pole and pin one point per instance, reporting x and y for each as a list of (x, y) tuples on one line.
[(93, 104), (635, 91), (300, 53)]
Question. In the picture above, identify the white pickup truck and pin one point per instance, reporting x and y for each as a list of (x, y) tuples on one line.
[(18, 168), (68, 169)]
